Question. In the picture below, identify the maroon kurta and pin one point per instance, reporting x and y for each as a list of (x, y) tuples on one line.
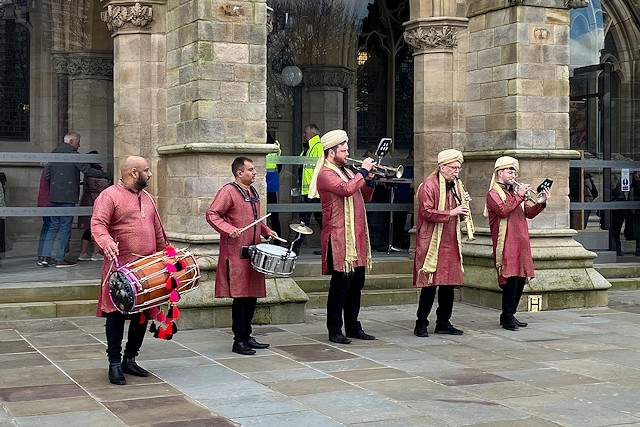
[(449, 267), (235, 277), (130, 219), (516, 255), (333, 190)]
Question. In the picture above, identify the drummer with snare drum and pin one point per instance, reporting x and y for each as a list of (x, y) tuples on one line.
[(233, 213)]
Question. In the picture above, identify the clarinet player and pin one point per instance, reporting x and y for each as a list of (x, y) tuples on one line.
[(438, 258)]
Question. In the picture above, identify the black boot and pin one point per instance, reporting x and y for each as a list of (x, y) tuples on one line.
[(116, 376), (242, 347), (130, 366), (420, 330)]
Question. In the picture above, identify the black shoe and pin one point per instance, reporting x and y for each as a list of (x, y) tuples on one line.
[(421, 331), (42, 261), (519, 323), (242, 347), (361, 335), (129, 366), (447, 329), (116, 376), (510, 326), (339, 339), (255, 344)]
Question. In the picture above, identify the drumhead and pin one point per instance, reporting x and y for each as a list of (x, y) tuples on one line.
[(121, 291), (274, 250)]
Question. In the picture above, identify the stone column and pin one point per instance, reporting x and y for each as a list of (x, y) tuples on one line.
[(324, 96), (438, 38), (518, 104), (138, 79), (85, 89)]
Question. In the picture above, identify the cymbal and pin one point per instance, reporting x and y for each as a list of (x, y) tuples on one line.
[(301, 228)]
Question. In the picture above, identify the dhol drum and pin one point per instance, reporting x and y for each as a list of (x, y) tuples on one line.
[(141, 284), (272, 259)]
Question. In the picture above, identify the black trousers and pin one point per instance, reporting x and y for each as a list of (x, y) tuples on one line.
[(511, 293), (114, 328), (242, 310), (445, 305), (344, 296), (306, 218)]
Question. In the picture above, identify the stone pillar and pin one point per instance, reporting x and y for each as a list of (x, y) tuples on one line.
[(324, 96), (517, 105), (438, 38), (85, 98), (138, 79)]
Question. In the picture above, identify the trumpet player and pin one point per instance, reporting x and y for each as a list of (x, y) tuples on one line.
[(438, 258), (508, 214)]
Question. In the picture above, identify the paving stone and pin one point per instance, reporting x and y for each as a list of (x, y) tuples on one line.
[(101, 418), (170, 408), (53, 405), (310, 386), (291, 419)]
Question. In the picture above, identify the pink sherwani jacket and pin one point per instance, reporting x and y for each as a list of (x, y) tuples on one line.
[(449, 266), (333, 190), (131, 220), (235, 277), (516, 256)]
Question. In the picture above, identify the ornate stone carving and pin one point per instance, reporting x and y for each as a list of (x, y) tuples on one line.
[(269, 20), (233, 10), (328, 76), (541, 33), (430, 38), (516, 2), (136, 16), (576, 4), (96, 67)]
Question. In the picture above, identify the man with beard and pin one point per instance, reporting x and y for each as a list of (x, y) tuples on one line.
[(235, 206), (508, 212), (125, 224), (346, 250), (438, 259)]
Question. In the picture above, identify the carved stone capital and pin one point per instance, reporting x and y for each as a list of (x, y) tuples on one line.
[(134, 17), (86, 65), (576, 4), (328, 76), (426, 38), (269, 20)]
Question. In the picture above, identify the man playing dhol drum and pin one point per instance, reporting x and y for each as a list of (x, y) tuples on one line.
[(237, 205), (125, 225), (346, 251)]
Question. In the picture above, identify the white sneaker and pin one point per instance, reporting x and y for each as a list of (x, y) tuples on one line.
[(84, 257), (97, 257)]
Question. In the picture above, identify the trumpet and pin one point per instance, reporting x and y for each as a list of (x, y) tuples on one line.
[(530, 196), (467, 218), (383, 171)]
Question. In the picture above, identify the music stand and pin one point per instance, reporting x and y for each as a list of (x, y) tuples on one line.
[(383, 147)]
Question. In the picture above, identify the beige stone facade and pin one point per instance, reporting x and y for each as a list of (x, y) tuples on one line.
[(185, 84)]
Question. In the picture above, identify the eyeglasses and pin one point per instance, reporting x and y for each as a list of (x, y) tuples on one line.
[(457, 168)]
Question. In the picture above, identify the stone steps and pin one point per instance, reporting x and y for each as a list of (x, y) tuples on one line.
[(389, 283)]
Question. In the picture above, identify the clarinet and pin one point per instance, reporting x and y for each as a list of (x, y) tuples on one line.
[(467, 218)]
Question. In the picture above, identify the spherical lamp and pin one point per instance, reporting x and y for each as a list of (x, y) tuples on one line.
[(291, 76)]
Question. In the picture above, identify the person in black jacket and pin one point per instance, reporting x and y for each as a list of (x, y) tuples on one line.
[(64, 179)]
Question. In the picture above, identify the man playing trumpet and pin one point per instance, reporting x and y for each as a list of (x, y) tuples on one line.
[(438, 258), (508, 214)]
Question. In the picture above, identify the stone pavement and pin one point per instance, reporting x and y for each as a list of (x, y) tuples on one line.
[(568, 368)]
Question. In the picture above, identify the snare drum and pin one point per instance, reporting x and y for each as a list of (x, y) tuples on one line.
[(141, 284), (272, 259)]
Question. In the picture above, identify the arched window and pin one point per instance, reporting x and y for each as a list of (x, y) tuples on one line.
[(14, 77)]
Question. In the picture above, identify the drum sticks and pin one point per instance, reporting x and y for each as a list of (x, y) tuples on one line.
[(254, 223)]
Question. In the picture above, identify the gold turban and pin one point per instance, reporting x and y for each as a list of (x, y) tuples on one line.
[(328, 140), (506, 162), (448, 156)]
